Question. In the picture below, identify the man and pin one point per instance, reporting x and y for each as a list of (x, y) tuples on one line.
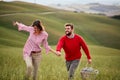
[(72, 44)]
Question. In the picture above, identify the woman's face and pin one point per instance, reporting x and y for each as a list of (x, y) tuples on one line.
[(36, 29)]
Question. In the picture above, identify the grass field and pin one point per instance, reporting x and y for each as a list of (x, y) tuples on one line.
[(100, 32), (52, 67)]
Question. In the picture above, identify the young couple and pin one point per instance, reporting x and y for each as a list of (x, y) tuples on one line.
[(70, 42)]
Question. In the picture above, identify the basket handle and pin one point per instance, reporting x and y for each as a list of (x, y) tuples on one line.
[(88, 65)]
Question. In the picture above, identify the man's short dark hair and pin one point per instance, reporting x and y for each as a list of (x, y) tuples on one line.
[(69, 24)]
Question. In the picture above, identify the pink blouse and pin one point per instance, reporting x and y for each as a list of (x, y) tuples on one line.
[(33, 42)]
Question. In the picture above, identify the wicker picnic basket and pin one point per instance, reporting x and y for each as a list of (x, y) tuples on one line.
[(89, 73)]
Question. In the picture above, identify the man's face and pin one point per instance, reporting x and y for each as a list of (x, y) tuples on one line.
[(68, 30)]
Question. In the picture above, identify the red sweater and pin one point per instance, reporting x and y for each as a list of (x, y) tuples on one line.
[(72, 47)]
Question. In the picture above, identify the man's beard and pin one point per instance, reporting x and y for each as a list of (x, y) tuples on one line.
[(68, 34)]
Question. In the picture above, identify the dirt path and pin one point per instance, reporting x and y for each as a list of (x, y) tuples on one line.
[(27, 13)]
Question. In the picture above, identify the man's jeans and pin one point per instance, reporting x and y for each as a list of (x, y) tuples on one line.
[(32, 63), (71, 67)]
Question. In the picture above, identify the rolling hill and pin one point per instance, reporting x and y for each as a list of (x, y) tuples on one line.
[(96, 29), (93, 8), (101, 33)]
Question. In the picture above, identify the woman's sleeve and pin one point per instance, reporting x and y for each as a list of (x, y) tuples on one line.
[(45, 44), (22, 27)]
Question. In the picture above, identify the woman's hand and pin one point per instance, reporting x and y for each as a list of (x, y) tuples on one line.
[(15, 23)]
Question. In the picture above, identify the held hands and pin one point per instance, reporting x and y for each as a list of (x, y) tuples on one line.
[(58, 53)]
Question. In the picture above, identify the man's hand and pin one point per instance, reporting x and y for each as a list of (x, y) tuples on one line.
[(89, 61)]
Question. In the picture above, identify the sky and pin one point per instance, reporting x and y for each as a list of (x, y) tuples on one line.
[(47, 2)]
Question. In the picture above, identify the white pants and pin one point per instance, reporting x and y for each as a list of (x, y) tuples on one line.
[(32, 63)]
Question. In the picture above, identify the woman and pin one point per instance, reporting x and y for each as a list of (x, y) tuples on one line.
[(32, 50)]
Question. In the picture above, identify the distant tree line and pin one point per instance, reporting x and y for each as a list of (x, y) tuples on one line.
[(116, 17)]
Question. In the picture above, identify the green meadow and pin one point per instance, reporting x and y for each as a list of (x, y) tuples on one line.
[(101, 33)]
